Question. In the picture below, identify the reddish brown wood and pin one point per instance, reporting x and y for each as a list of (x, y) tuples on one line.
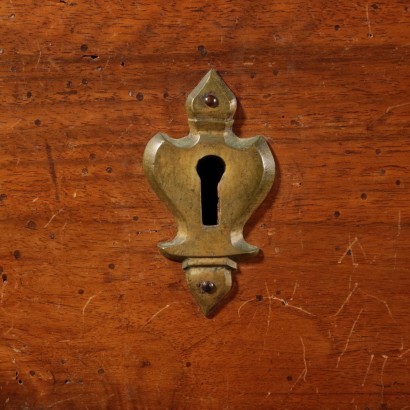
[(93, 317)]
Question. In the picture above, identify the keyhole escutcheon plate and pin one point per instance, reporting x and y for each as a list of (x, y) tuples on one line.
[(211, 181)]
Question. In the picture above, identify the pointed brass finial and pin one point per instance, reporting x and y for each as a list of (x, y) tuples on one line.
[(211, 104), (212, 181)]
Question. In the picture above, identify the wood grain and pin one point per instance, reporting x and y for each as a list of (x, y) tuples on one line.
[(93, 317)]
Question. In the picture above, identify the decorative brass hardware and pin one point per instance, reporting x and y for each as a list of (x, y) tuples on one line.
[(211, 181)]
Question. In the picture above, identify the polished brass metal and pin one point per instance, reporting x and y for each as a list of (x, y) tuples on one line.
[(209, 250)]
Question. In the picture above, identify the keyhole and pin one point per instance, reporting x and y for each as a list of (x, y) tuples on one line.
[(210, 169)]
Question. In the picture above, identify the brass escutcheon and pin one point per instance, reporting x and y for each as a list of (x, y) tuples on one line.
[(212, 181)]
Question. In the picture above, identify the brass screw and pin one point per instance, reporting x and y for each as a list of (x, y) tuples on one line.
[(207, 286), (211, 101)]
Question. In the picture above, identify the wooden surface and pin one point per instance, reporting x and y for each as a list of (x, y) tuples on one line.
[(93, 317)]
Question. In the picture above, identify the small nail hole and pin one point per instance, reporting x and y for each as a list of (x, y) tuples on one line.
[(31, 225), (203, 51)]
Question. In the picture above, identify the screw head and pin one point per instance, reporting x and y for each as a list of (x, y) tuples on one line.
[(207, 286), (211, 101)]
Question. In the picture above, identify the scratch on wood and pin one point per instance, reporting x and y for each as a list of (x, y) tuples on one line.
[(370, 33), (403, 354), (304, 371), (297, 381), (118, 139), (2, 292), (347, 299), (52, 170), (253, 317), (53, 216), (391, 108), (294, 290), (283, 302), (268, 394), (361, 248), (286, 304), (399, 225), (15, 123), (243, 304), (386, 113), (381, 301), (304, 358), (397, 235), (268, 317), (39, 55), (395, 260), (349, 251), (270, 303), (64, 400), (368, 368), (381, 375), (88, 302), (9, 330), (156, 314), (348, 338)]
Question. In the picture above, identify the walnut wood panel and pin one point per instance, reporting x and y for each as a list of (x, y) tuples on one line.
[(93, 317)]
